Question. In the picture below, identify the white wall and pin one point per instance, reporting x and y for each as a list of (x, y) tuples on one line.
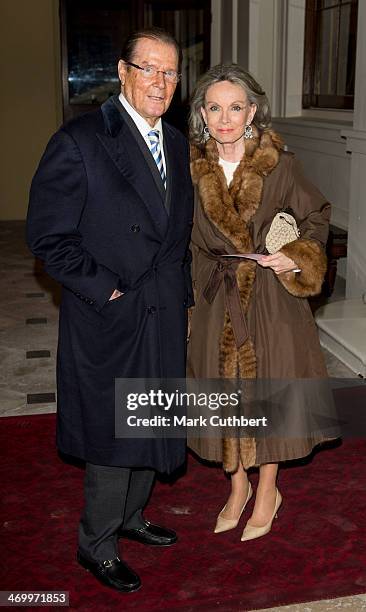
[(323, 153), (262, 43), (333, 154)]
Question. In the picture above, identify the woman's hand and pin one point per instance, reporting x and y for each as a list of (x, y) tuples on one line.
[(278, 262)]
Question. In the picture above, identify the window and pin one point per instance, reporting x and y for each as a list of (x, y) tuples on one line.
[(330, 53), (93, 31), (190, 23), (92, 35)]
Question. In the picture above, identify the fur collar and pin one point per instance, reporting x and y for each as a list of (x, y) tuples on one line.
[(230, 209)]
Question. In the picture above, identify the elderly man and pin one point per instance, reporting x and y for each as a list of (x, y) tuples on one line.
[(110, 215)]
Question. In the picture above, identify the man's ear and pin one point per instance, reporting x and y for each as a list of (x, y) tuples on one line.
[(122, 69)]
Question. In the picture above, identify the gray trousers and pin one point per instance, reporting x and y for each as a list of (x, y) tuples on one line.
[(114, 497)]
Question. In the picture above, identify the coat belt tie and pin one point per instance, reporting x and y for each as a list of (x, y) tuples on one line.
[(223, 271)]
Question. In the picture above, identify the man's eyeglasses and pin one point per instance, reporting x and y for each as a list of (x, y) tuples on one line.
[(150, 72)]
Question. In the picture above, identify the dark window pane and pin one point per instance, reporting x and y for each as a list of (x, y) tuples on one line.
[(348, 46), (330, 53), (189, 22), (344, 31), (328, 3), (95, 36), (187, 26), (93, 32)]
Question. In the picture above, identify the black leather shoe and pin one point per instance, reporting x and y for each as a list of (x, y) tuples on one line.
[(114, 574), (154, 535)]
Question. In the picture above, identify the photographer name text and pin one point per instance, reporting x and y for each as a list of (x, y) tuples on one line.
[(184, 421)]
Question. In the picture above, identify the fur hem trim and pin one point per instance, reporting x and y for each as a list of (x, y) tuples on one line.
[(230, 454), (310, 257), (235, 450)]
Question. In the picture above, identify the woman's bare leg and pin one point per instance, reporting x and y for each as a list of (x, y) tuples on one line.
[(265, 496), (238, 495)]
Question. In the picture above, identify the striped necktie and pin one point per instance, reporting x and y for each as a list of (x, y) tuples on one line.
[(153, 136)]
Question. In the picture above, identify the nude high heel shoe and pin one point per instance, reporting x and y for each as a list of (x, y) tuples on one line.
[(250, 532), (224, 524)]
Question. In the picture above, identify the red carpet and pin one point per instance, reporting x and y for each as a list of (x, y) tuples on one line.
[(316, 549)]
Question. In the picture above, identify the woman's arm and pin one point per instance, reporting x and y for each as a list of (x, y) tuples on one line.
[(312, 213)]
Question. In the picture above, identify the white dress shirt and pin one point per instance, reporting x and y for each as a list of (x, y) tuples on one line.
[(143, 127)]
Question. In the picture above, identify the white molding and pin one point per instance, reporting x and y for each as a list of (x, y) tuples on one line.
[(342, 331), (356, 141), (328, 148), (314, 134), (328, 113)]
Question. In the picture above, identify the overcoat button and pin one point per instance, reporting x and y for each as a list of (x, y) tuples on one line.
[(135, 228), (151, 309)]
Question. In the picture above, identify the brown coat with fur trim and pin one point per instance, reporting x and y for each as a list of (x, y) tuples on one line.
[(283, 340)]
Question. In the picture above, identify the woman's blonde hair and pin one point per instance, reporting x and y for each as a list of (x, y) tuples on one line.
[(234, 74)]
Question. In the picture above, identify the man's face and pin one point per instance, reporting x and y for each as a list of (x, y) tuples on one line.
[(150, 97)]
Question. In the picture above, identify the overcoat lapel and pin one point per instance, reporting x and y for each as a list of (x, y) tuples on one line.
[(134, 161), (143, 148)]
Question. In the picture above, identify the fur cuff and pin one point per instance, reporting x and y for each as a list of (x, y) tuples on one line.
[(310, 257)]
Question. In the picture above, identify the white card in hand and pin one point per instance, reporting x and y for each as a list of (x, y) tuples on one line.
[(255, 256)]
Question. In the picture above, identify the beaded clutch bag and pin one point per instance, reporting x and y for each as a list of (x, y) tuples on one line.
[(282, 231)]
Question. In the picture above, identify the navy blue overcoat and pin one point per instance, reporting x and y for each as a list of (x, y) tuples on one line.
[(98, 221)]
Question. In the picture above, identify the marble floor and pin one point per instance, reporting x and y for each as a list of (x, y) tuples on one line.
[(28, 328), (28, 343)]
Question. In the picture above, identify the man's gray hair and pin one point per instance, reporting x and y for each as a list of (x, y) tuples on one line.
[(234, 74)]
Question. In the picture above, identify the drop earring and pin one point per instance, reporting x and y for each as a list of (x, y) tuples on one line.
[(206, 133), (248, 132)]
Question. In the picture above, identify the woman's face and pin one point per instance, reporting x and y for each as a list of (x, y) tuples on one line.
[(227, 111)]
